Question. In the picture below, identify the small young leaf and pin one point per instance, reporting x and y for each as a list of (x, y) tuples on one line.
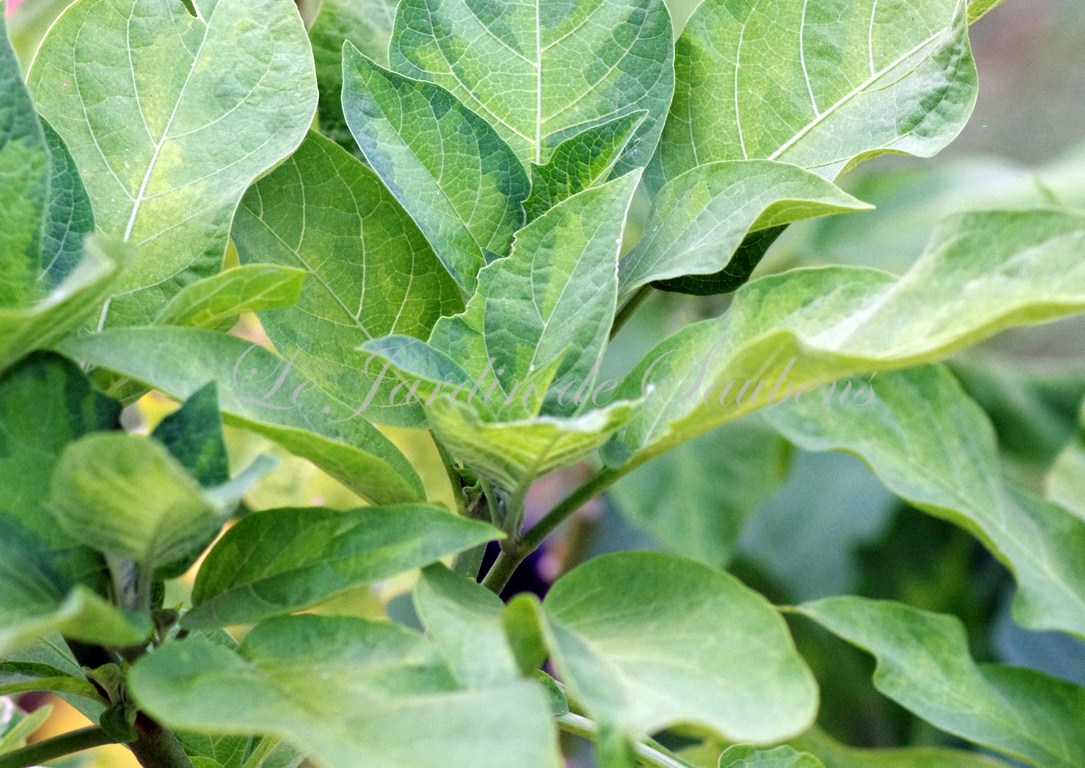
[(216, 302), (347, 692), (169, 120), (448, 168), (288, 559), (925, 666), (542, 71), (780, 757)]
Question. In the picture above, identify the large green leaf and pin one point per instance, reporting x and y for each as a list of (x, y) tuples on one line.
[(24, 182), (170, 117), (780, 757), (925, 666), (48, 582), (347, 692), (288, 559), (542, 70), (946, 463), (982, 273), (819, 85), (259, 392), (695, 499), (699, 220), (216, 302), (63, 309), (367, 24), (646, 641), (451, 171), (370, 271)]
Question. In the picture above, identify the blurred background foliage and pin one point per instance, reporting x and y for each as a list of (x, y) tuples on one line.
[(797, 525)]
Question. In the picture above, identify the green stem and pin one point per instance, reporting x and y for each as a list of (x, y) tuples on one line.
[(514, 552), (630, 308), (51, 749), (157, 746), (646, 755)]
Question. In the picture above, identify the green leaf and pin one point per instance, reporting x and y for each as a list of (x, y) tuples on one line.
[(820, 86), (258, 391), (347, 692), (464, 619), (1065, 484), (450, 170), (637, 638), (542, 71), (977, 9), (288, 559), (512, 454), (47, 581), (61, 311), (367, 24), (780, 757), (580, 162), (924, 665), (699, 220), (24, 182), (696, 499), (837, 755), (947, 464), (170, 119), (68, 219), (216, 302), (127, 496), (18, 727), (371, 272), (193, 434), (806, 328), (23, 677)]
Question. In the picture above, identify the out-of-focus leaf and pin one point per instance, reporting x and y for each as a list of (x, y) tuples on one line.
[(216, 302)]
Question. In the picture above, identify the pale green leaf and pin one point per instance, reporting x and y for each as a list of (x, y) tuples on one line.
[(24, 182), (541, 70), (258, 391), (347, 692), (464, 619), (837, 755), (699, 220), (64, 308), (450, 170), (170, 117), (925, 666), (285, 560), (983, 272), (695, 500), (977, 9), (946, 463), (370, 272), (367, 24), (512, 454), (780, 757), (580, 162), (68, 219), (641, 640), (818, 85), (1065, 483), (216, 302)]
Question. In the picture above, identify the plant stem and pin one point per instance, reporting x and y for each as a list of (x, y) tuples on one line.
[(630, 308), (51, 749), (646, 754), (157, 747), (513, 552)]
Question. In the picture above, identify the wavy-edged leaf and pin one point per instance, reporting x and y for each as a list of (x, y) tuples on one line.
[(946, 463), (346, 692), (24, 182), (580, 162), (170, 116), (925, 666), (258, 391), (449, 169), (62, 310), (370, 272), (68, 218), (699, 220), (284, 560), (541, 70), (781, 757), (641, 640), (982, 273), (818, 85), (367, 24), (216, 302)]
